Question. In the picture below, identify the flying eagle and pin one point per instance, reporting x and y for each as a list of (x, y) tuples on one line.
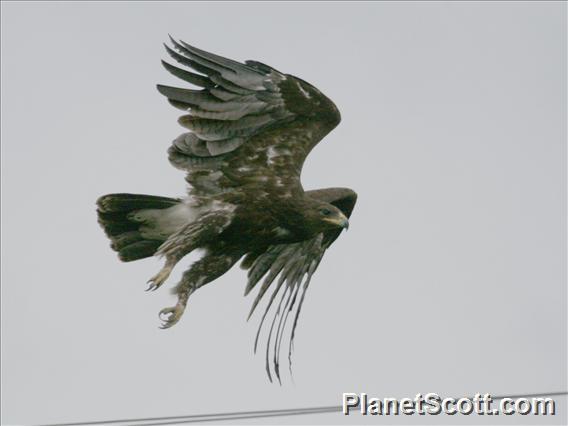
[(251, 128)]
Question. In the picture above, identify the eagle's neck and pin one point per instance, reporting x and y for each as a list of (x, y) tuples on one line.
[(294, 224)]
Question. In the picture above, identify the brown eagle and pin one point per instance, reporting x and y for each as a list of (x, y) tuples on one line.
[(251, 128)]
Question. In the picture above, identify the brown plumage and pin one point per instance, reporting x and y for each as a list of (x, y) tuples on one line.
[(251, 128)]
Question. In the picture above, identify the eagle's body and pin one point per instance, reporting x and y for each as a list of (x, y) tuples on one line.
[(251, 130)]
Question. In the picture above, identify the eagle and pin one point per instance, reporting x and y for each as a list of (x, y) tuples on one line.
[(251, 128)]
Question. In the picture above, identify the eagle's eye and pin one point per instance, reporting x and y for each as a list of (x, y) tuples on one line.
[(325, 212)]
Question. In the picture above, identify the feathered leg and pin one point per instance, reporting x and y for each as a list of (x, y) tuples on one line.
[(202, 272), (187, 239), (171, 260)]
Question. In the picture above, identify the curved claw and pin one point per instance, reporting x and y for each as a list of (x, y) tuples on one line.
[(157, 280), (153, 285), (170, 316)]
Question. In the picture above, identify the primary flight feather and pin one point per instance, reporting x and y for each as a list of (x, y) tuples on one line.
[(251, 128)]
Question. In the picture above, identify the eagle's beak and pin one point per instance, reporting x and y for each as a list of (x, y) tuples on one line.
[(341, 221)]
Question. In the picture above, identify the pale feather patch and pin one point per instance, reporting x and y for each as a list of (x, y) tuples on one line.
[(221, 205), (305, 93), (281, 232), (271, 154), (161, 223)]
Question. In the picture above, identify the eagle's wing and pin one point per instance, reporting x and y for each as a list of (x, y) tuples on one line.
[(294, 264), (249, 123)]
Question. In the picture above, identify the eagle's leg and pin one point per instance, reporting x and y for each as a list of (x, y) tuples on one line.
[(157, 280), (201, 272), (185, 240)]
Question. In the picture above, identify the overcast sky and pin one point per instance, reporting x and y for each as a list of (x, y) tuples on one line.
[(451, 278)]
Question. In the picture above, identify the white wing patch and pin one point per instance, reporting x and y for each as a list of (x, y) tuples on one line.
[(306, 94), (281, 232), (271, 153)]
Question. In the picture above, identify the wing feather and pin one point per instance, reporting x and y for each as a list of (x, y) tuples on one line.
[(191, 97), (232, 71), (189, 63), (196, 79), (231, 87), (216, 130), (225, 62)]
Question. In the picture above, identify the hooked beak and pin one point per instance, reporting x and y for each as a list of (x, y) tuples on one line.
[(341, 221)]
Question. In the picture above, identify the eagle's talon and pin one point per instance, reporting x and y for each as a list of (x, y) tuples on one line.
[(170, 316), (152, 286), (157, 280)]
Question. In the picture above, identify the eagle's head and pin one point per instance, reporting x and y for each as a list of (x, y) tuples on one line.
[(322, 216)]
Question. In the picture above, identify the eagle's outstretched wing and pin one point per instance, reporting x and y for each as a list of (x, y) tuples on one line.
[(294, 264), (249, 123)]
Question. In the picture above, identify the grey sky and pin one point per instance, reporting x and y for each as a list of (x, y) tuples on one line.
[(451, 278)]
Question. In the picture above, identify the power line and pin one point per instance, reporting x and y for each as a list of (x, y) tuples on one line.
[(198, 416), (243, 415), (290, 412)]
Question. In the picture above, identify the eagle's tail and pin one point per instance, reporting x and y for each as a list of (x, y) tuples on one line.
[(130, 221)]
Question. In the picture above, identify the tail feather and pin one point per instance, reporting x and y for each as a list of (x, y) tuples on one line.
[(139, 250), (116, 216), (130, 202)]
